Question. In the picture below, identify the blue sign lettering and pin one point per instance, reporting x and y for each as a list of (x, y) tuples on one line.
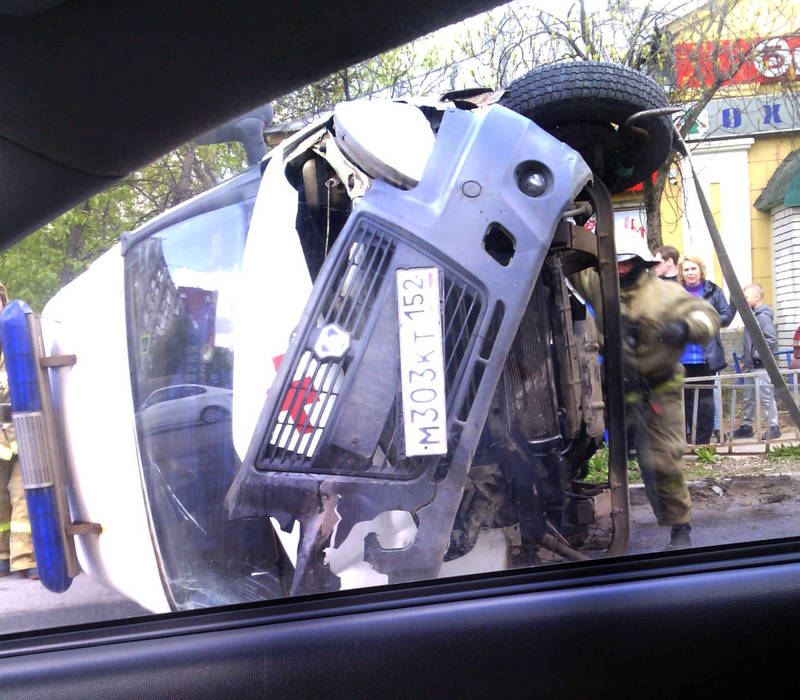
[(731, 117), (771, 114)]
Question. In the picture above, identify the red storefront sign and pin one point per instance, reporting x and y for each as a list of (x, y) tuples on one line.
[(765, 61)]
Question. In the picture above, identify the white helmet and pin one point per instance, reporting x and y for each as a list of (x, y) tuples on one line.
[(632, 244)]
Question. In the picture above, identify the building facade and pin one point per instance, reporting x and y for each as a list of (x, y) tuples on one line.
[(741, 146)]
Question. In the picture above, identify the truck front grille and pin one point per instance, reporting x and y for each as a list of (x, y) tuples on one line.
[(343, 415)]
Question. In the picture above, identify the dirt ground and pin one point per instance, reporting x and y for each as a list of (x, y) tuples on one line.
[(735, 499), (739, 466)]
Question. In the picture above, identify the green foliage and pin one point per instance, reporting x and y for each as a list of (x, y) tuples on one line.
[(706, 455), (39, 265), (783, 453), (634, 473), (598, 468)]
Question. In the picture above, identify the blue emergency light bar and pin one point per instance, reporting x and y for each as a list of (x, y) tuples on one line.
[(34, 438), (20, 363)]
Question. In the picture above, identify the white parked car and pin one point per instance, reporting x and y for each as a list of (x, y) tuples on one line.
[(185, 404)]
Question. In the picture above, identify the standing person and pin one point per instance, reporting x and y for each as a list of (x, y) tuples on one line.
[(754, 293), (16, 543), (667, 257), (657, 320), (702, 360)]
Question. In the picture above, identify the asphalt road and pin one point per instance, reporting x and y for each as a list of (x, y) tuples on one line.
[(28, 605), (728, 510), (725, 511)]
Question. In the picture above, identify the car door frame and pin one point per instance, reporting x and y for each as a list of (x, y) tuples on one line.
[(658, 623)]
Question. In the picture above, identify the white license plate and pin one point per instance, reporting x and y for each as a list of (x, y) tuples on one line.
[(421, 361)]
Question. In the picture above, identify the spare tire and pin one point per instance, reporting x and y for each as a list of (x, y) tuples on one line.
[(586, 104)]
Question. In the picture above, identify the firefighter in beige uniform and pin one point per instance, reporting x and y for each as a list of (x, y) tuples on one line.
[(16, 544), (658, 318)]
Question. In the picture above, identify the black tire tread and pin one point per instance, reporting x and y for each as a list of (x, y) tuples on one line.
[(582, 92), (550, 94)]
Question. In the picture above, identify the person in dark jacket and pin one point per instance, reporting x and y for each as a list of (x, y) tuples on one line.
[(702, 360), (754, 293)]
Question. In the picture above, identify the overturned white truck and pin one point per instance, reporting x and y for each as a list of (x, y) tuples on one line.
[(358, 362)]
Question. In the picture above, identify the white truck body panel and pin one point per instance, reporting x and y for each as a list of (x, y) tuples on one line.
[(94, 410)]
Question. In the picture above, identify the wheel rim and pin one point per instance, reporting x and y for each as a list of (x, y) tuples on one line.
[(212, 414)]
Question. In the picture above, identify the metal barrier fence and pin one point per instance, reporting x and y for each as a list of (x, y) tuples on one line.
[(730, 391)]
